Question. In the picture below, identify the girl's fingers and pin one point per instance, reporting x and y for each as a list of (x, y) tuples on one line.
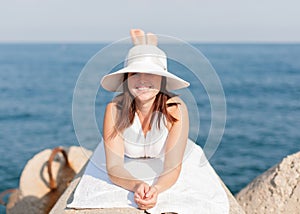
[(145, 206), (151, 192), (141, 190), (147, 203), (139, 194), (145, 196), (146, 189)]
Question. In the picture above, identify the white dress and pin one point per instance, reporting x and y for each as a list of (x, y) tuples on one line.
[(197, 189)]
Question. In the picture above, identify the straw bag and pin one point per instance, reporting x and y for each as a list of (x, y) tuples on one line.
[(44, 179)]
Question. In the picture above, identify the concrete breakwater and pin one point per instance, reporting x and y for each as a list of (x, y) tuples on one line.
[(45, 177), (275, 191)]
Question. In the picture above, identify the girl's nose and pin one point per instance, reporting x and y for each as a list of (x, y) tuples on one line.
[(142, 76)]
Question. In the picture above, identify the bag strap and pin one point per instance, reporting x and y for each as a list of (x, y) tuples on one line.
[(52, 182), (4, 193)]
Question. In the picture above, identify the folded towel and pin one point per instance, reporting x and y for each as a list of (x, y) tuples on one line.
[(197, 188)]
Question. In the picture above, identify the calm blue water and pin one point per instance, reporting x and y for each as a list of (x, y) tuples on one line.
[(261, 84)]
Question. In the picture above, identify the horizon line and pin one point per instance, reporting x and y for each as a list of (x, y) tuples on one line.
[(109, 42)]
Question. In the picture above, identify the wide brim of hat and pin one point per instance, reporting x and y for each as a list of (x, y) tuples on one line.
[(113, 82)]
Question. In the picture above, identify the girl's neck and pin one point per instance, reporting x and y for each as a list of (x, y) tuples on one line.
[(144, 108), (144, 111)]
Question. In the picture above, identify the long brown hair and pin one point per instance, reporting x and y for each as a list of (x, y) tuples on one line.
[(126, 107)]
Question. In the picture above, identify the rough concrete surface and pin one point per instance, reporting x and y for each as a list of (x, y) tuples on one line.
[(275, 191), (35, 196)]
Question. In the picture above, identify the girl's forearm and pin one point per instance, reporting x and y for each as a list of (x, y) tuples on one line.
[(121, 177), (167, 179)]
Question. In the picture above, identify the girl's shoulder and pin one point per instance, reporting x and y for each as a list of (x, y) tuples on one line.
[(115, 102), (118, 98)]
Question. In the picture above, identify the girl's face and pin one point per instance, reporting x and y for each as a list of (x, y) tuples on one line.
[(143, 86)]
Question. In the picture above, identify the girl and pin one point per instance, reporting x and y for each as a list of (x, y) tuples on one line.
[(146, 159), (145, 100)]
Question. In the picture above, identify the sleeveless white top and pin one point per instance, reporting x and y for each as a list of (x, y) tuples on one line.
[(151, 145)]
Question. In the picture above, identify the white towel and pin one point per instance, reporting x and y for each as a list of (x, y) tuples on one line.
[(197, 189)]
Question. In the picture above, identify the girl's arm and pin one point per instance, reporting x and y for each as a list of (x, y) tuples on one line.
[(174, 152), (175, 146), (114, 151)]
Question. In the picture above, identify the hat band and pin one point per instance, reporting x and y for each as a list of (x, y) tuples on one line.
[(147, 60)]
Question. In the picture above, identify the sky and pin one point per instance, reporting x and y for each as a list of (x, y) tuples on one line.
[(191, 20)]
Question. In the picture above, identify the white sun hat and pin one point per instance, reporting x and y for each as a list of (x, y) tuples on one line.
[(143, 59)]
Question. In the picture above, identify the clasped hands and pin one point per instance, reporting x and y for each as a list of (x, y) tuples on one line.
[(145, 196)]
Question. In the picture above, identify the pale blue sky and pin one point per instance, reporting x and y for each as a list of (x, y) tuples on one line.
[(110, 20)]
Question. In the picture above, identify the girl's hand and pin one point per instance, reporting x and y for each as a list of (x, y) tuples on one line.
[(145, 196), (141, 190)]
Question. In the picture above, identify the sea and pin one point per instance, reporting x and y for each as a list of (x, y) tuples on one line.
[(260, 85)]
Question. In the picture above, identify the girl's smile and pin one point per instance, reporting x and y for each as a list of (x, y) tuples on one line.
[(144, 86)]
